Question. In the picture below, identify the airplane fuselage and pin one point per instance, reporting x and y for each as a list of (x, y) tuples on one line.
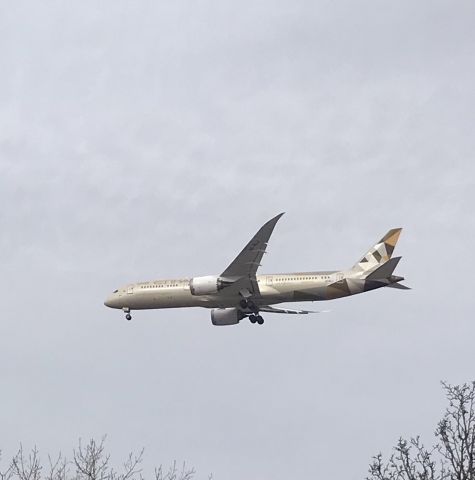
[(273, 289)]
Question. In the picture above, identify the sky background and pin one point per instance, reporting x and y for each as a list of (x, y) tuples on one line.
[(149, 139)]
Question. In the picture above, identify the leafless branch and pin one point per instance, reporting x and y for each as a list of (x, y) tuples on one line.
[(131, 467), (27, 467), (90, 462), (174, 473), (57, 468), (453, 457), (8, 473)]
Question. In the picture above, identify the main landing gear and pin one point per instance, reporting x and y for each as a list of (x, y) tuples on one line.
[(128, 316), (256, 319), (247, 304)]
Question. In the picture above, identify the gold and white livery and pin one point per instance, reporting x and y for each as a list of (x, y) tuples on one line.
[(240, 293)]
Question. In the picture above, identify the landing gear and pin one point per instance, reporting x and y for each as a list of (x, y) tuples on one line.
[(245, 303), (249, 308), (128, 317), (248, 305), (256, 319), (127, 311)]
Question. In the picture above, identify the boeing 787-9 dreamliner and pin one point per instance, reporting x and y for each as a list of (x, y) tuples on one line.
[(239, 292)]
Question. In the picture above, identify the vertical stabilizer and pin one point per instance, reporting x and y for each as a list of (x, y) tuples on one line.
[(380, 253)]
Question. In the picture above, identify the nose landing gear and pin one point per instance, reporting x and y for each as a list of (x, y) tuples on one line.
[(128, 316)]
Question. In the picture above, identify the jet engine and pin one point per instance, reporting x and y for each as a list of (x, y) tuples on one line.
[(226, 316), (207, 285)]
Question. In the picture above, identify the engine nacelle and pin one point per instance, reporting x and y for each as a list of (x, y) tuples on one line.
[(226, 316), (207, 285)]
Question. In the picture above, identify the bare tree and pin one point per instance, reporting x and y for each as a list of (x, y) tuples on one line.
[(57, 469), (6, 474), (452, 457), (457, 431), (89, 462), (27, 467), (174, 473)]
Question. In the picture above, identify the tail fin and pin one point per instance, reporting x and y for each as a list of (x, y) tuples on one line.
[(380, 253)]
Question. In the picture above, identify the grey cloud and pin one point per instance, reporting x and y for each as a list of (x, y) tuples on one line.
[(151, 139)]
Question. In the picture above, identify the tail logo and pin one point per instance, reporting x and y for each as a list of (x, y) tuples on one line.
[(380, 253)]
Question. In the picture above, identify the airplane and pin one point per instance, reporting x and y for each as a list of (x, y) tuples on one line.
[(238, 292)]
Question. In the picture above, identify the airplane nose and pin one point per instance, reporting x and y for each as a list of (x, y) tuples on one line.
[(110, 301)]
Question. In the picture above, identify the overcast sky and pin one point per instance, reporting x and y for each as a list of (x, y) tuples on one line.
[(149, 139)]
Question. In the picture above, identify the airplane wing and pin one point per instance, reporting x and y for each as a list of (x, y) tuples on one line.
[(243, 268), (270, 309)]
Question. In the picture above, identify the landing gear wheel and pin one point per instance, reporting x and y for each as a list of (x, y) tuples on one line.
[(252, 318), (260, 320), (128, 317), (243, 303)]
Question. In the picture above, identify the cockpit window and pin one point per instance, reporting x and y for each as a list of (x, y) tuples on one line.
[(115, 291)]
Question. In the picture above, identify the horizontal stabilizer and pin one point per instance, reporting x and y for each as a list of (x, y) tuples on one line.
[(400, 286), (385, 270), (284, 310)]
